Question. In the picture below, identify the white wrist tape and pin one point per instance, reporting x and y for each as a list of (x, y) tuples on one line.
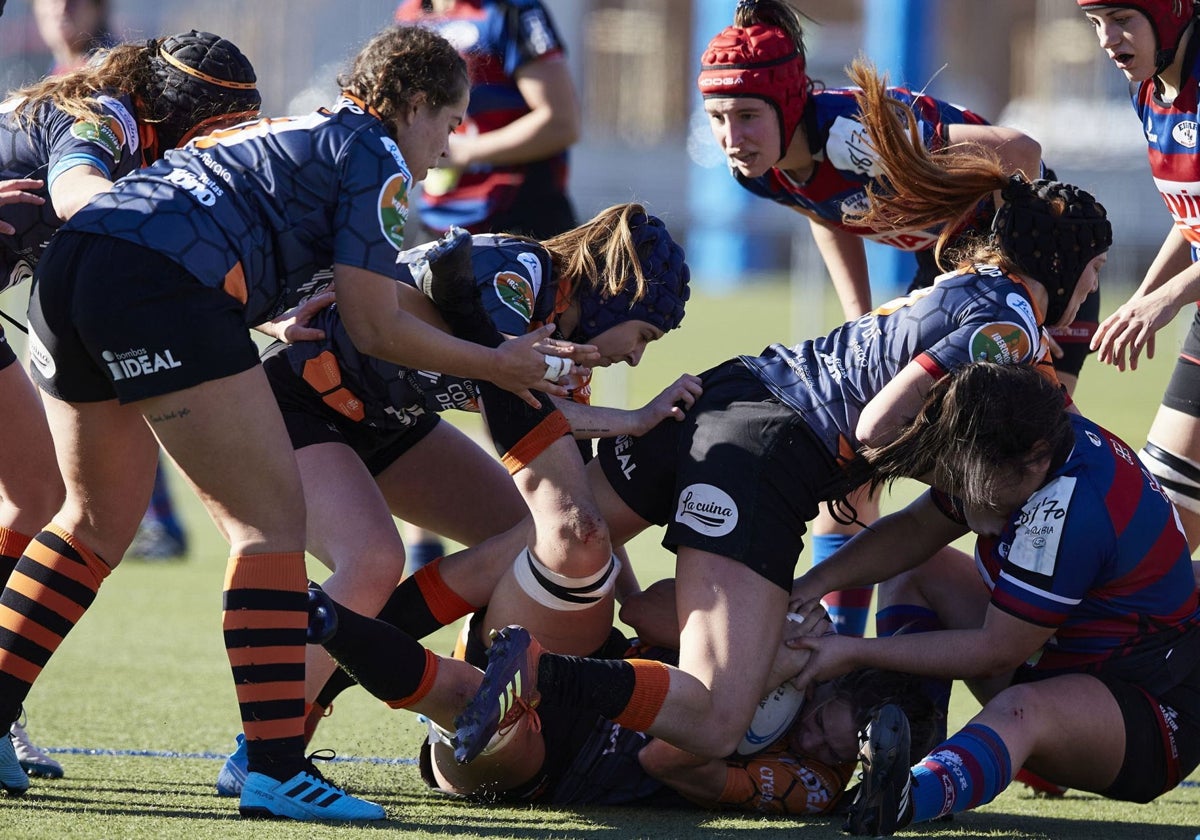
[(556, 368)]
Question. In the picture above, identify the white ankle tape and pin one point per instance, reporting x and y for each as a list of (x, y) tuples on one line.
[(559, 592), (438, 735)]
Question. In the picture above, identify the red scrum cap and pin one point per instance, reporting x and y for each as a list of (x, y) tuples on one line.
[(1168, 19), (759, 61)]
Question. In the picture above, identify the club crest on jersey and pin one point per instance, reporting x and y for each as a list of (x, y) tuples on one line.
[(1184, 133), (393, 210), (707, 510), (515, 292), (1002, 342)]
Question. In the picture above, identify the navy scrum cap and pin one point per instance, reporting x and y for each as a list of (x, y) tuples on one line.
[(666, 290), (199, 77), (1052, 248)]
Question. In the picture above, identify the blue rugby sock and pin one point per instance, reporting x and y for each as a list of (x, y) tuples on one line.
[(969, 770), (850, 608)]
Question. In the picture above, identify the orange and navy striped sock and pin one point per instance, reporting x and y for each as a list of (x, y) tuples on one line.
[(48, 591), (264, 620), (629, 692)]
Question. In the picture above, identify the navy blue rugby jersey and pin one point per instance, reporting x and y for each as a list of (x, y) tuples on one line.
[(259, 209), (515, 279), (45, 142), (978, 315), (846, 163), (1098, 554)]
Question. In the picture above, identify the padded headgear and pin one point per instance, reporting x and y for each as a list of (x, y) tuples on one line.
[(665, 292), (759, 61), (1168, 19), (1050, 247), (198, 76)]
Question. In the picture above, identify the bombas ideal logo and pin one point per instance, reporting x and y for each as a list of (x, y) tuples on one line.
[(129, 364)]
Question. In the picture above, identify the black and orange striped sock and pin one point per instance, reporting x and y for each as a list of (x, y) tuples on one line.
[(264, 620), (383, 659), (12, 546), (423, 603), (48, 591), (629, 692)]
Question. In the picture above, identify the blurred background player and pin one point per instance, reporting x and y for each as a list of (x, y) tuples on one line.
[(74, 30), (507, 167)]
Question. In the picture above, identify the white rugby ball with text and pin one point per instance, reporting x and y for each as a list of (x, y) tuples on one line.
[(775, 714)]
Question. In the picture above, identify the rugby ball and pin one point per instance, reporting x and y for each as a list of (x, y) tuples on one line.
[(775, 714)]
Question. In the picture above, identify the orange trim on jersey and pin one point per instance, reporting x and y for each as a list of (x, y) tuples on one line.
[(1037, 313), (267, 655), (27, 628), (362, 105), (148, 137), (234, 283), (322, 373), (344, 402), (536, 441), (651, 682), (19, 667), (13, 543), (428, 677), (279, 571), (444, 604)]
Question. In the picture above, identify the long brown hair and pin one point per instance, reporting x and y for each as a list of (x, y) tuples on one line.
[(124, 69), (923, 189), (600, 255)]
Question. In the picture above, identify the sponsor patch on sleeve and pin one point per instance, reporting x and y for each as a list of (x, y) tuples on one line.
[(393, 209), (515, 292), (849, 147), (1039, 530), (1002, 342), (105, 131)]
